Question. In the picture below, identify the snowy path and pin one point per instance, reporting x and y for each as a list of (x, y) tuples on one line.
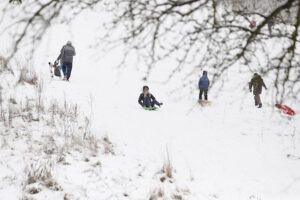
[(219, 152)]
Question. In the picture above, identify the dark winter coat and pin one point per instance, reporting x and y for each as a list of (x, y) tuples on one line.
[(203, 82), (257, 83), (147, 100), (66, 54)]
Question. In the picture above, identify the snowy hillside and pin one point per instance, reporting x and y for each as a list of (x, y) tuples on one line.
[(229, 150)]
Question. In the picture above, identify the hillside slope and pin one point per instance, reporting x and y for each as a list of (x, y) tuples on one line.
[(230, 150)]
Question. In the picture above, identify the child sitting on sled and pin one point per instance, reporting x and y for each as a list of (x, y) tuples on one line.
[(147, 100)]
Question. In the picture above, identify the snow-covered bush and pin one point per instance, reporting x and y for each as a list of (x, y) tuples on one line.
[(39, 172), (39, 99), (49, 135), (167, 168), (107, 145), (28, 75), (156, 193), (1, 105), (165, 185)]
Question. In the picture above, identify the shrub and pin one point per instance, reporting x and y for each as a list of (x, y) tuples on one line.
[(28, 75)]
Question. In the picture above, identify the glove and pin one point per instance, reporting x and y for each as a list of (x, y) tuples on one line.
[(160, 104)]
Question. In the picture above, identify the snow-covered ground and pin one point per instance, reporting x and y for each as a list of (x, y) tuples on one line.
[(228, 151)]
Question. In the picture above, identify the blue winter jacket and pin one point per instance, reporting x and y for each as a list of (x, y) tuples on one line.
[(203, 82)]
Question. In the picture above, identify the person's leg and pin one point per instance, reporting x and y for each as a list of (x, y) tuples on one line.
[(63, 68), (205, 94), (256, 100), (200, 94), (259, 101), (147, 102), (69, 70), (152, 104)]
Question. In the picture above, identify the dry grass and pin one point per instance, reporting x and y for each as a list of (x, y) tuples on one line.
[(1, 105), (107, 145), (10, 115), (39, 98), (28, 75), (157, 193), (177, 197), (93, 144), (4, 65), (167, 168), (40, 171), (33, 190)]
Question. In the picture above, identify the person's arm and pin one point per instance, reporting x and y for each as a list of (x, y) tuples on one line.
[(74, 53), (250, 85), (263, 83), (199, 83), (208, 82), (60, 55), (141, 100)]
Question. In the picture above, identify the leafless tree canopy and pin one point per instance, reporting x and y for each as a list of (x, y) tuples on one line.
[(211, 34)]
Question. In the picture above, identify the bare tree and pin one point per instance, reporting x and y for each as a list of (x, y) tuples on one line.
[(32, 18), (214, 34)]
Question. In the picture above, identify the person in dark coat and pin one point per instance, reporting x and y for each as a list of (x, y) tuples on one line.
[(256, 84), (146, 99), (203, 85), (66, 59)]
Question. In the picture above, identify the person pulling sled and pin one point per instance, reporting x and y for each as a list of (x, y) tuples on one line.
[(257, 83), (147, 100), (66, 59)]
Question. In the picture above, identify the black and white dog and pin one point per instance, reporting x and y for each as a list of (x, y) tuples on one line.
[(54, 69)]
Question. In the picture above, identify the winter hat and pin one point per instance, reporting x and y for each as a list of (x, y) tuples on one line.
[(69, 43)]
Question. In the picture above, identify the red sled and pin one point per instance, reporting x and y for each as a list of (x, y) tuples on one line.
[(285, 109)]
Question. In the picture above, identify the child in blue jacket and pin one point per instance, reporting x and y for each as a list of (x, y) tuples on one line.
[(203, 86)]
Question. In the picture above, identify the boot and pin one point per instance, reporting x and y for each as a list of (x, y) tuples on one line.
[(260, 105)]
